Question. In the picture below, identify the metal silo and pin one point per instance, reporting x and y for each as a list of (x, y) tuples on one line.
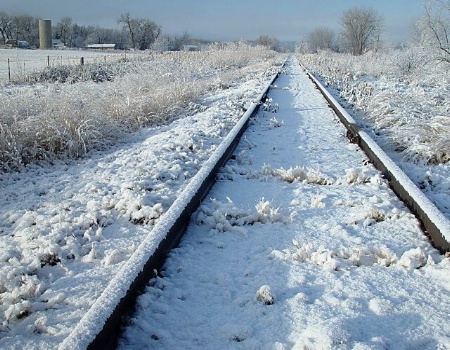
[(45, 34)]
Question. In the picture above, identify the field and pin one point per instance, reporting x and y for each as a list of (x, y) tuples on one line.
[(66, 111), (23, 62)]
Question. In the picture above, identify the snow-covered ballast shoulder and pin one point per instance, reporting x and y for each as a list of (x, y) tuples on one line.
[(435, 225), (99, 327)]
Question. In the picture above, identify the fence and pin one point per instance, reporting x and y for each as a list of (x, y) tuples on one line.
[(16, 68)]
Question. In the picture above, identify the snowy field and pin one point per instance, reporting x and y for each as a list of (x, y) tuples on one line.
[(23, 62), (67, 227), (300, 245)]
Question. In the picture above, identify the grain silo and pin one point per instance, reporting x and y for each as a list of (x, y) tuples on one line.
[(45, 34)]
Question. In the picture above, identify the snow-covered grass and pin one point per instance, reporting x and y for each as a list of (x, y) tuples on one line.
[(93, 106), (66, 228), (401, 98), (23, 63)]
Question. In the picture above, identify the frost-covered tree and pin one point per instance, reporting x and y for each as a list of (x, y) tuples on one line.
[(80, 34), (433, 29), (5, 26), (265, 40), (27, 29), (321, 39), (178, 41), (361, 30), (63, 29), (142, 32)]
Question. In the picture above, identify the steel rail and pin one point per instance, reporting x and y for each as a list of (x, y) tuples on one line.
[(99, 328), (434, 223)]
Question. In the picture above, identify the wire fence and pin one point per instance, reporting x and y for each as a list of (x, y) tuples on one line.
[(17, 66)]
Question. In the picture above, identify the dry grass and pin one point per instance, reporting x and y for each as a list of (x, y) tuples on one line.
[(68, 117)]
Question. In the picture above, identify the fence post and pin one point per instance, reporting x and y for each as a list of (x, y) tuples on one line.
[(48, 61), (82, 61), (9, 71)]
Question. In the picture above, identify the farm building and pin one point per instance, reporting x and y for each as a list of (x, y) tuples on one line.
[(10, 43), (101, 46)]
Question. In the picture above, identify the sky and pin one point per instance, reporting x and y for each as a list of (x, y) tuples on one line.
[(287, 20)]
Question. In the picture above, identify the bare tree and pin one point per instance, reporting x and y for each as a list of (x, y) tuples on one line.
[(434, 29), (26, 28), (178, 41), (362, 29), (321, 39), (142, 32), (5, 26), (63, 30), (265, 40)]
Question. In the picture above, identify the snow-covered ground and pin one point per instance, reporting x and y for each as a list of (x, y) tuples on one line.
[(300, 245), (23, 62), (66, 229)]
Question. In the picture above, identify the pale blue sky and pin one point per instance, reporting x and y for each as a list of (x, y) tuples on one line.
[(225, 20)]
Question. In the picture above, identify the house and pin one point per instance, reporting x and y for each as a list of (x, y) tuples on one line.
[(22, 44), (191, 48), (101, 46), (57, 44)]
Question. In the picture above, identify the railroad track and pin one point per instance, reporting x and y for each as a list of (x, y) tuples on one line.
[(99, 327)]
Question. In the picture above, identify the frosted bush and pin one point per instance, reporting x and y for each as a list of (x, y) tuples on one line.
[(402, 94), (68, 111)]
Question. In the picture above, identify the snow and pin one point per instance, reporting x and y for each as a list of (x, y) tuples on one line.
[(68, 228), (301, 244), (432, 212), (23, 62), (92, 323), (405, 111)]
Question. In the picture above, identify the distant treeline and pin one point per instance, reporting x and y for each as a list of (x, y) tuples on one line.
[(132, 32)]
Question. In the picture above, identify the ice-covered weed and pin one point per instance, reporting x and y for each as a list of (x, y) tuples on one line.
[(225, 217), (266, 212), (275, 123), (413, 259), (301, 174), (68, 120), (316, 201), (265, 295), (376, 214), (338, 259)]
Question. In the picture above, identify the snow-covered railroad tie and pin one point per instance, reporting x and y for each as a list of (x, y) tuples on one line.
[(301, 243)]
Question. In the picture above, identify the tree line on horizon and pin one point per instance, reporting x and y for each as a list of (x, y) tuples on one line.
[(134, 33), (362, 29)]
